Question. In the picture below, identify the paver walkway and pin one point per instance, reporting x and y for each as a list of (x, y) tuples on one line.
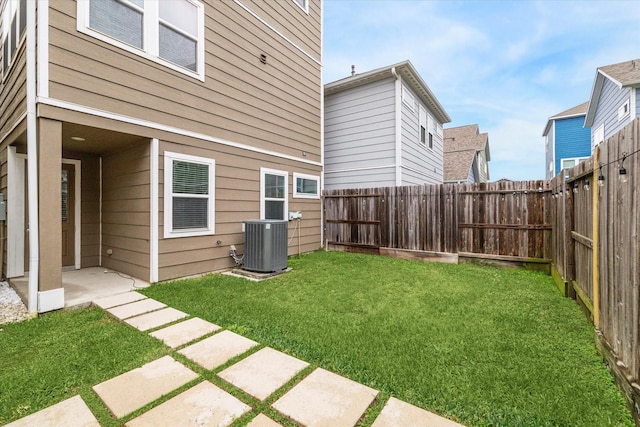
[(318, 399)]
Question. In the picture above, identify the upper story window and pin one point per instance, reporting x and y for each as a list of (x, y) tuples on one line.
[(304, 4), (407, 97), (14, 23), (623, 111), (423, 125), (167, 32)]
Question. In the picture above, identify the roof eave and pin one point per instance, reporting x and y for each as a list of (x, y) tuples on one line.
[(596, 90)]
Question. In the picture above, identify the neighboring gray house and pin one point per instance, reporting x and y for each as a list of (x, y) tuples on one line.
[(466, 155), (615, 99), (567, 141), (382, 128)]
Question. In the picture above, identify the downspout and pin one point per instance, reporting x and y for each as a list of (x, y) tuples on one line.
[(398, 120), (32, 160), (321, 126)]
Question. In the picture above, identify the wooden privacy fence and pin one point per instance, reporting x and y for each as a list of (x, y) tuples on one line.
[(596, 250), (502, 221), (589, 233)]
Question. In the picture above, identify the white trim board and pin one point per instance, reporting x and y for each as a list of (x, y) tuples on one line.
[(154, 192), (152, 125), (15, 212), (77, 227)]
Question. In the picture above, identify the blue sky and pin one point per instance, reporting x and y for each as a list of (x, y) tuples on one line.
[(505, 65)]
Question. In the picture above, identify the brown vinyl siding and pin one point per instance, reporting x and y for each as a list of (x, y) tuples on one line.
[(274, 106), (125, 210), (237, 196), (13, 92)]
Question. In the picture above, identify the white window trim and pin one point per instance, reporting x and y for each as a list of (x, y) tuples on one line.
[(422, 122), (297, 195), (577, 161), (20, 39), (150, 36), (169, 157), (263, 172), (430, 132), (624, 111), (305, 7), (408, 98)]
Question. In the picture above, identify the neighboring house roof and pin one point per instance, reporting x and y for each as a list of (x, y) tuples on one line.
[(460, 147), (624, 74), (577, 111), (409, 75)]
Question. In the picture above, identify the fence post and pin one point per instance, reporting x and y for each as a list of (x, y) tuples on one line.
[(596, 239)]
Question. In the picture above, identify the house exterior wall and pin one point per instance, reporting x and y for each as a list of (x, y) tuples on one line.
[(483, 167), (611, 98), (237, 189), (360, 136), (126, 210), (239, 96), (572, 140), (420, 164)]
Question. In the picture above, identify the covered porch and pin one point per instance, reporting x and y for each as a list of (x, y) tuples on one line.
[(83, 286), (91, 237)]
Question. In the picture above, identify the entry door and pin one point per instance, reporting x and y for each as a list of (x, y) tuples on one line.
[(68, 214)]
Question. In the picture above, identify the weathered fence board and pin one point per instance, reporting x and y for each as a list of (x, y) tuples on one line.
[(505, 218)]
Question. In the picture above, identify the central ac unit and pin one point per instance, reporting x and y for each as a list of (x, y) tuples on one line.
[(265, 245)]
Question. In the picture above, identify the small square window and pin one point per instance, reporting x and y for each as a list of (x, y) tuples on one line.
[(306, 186), (623, 111)]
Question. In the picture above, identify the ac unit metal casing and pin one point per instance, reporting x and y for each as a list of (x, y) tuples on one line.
[(265, 245)]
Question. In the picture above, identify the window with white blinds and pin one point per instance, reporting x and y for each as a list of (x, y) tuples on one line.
[(168, 32), (189, 183)]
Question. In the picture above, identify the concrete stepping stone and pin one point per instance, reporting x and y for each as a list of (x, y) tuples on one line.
[(263, 421), (202, 405), (134, 389), (214, 351), (181, 333), (399, 413), (326, 399), (120, 299), (72, 412), (264, 372), (136, 308), (157, 318)]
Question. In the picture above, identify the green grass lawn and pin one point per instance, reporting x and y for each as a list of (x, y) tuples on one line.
[(483, 346), (56, 356)]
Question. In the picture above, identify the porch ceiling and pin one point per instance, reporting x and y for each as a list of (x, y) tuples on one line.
[(95, 140)]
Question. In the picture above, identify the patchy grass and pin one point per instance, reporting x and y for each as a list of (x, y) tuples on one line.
[(56, 356), (483, 346)]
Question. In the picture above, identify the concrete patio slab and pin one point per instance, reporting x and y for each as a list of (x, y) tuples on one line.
[(134, 389), (214, 351), (157, 318), (72, 412), (263, 421), (136, 308), (120, 299), (264, 372), (202, 405), (326, 399), (181, 333), (399, 413)]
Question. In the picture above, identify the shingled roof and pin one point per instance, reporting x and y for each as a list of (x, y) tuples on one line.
[(460, 147), (578, 110), (624, 74)]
